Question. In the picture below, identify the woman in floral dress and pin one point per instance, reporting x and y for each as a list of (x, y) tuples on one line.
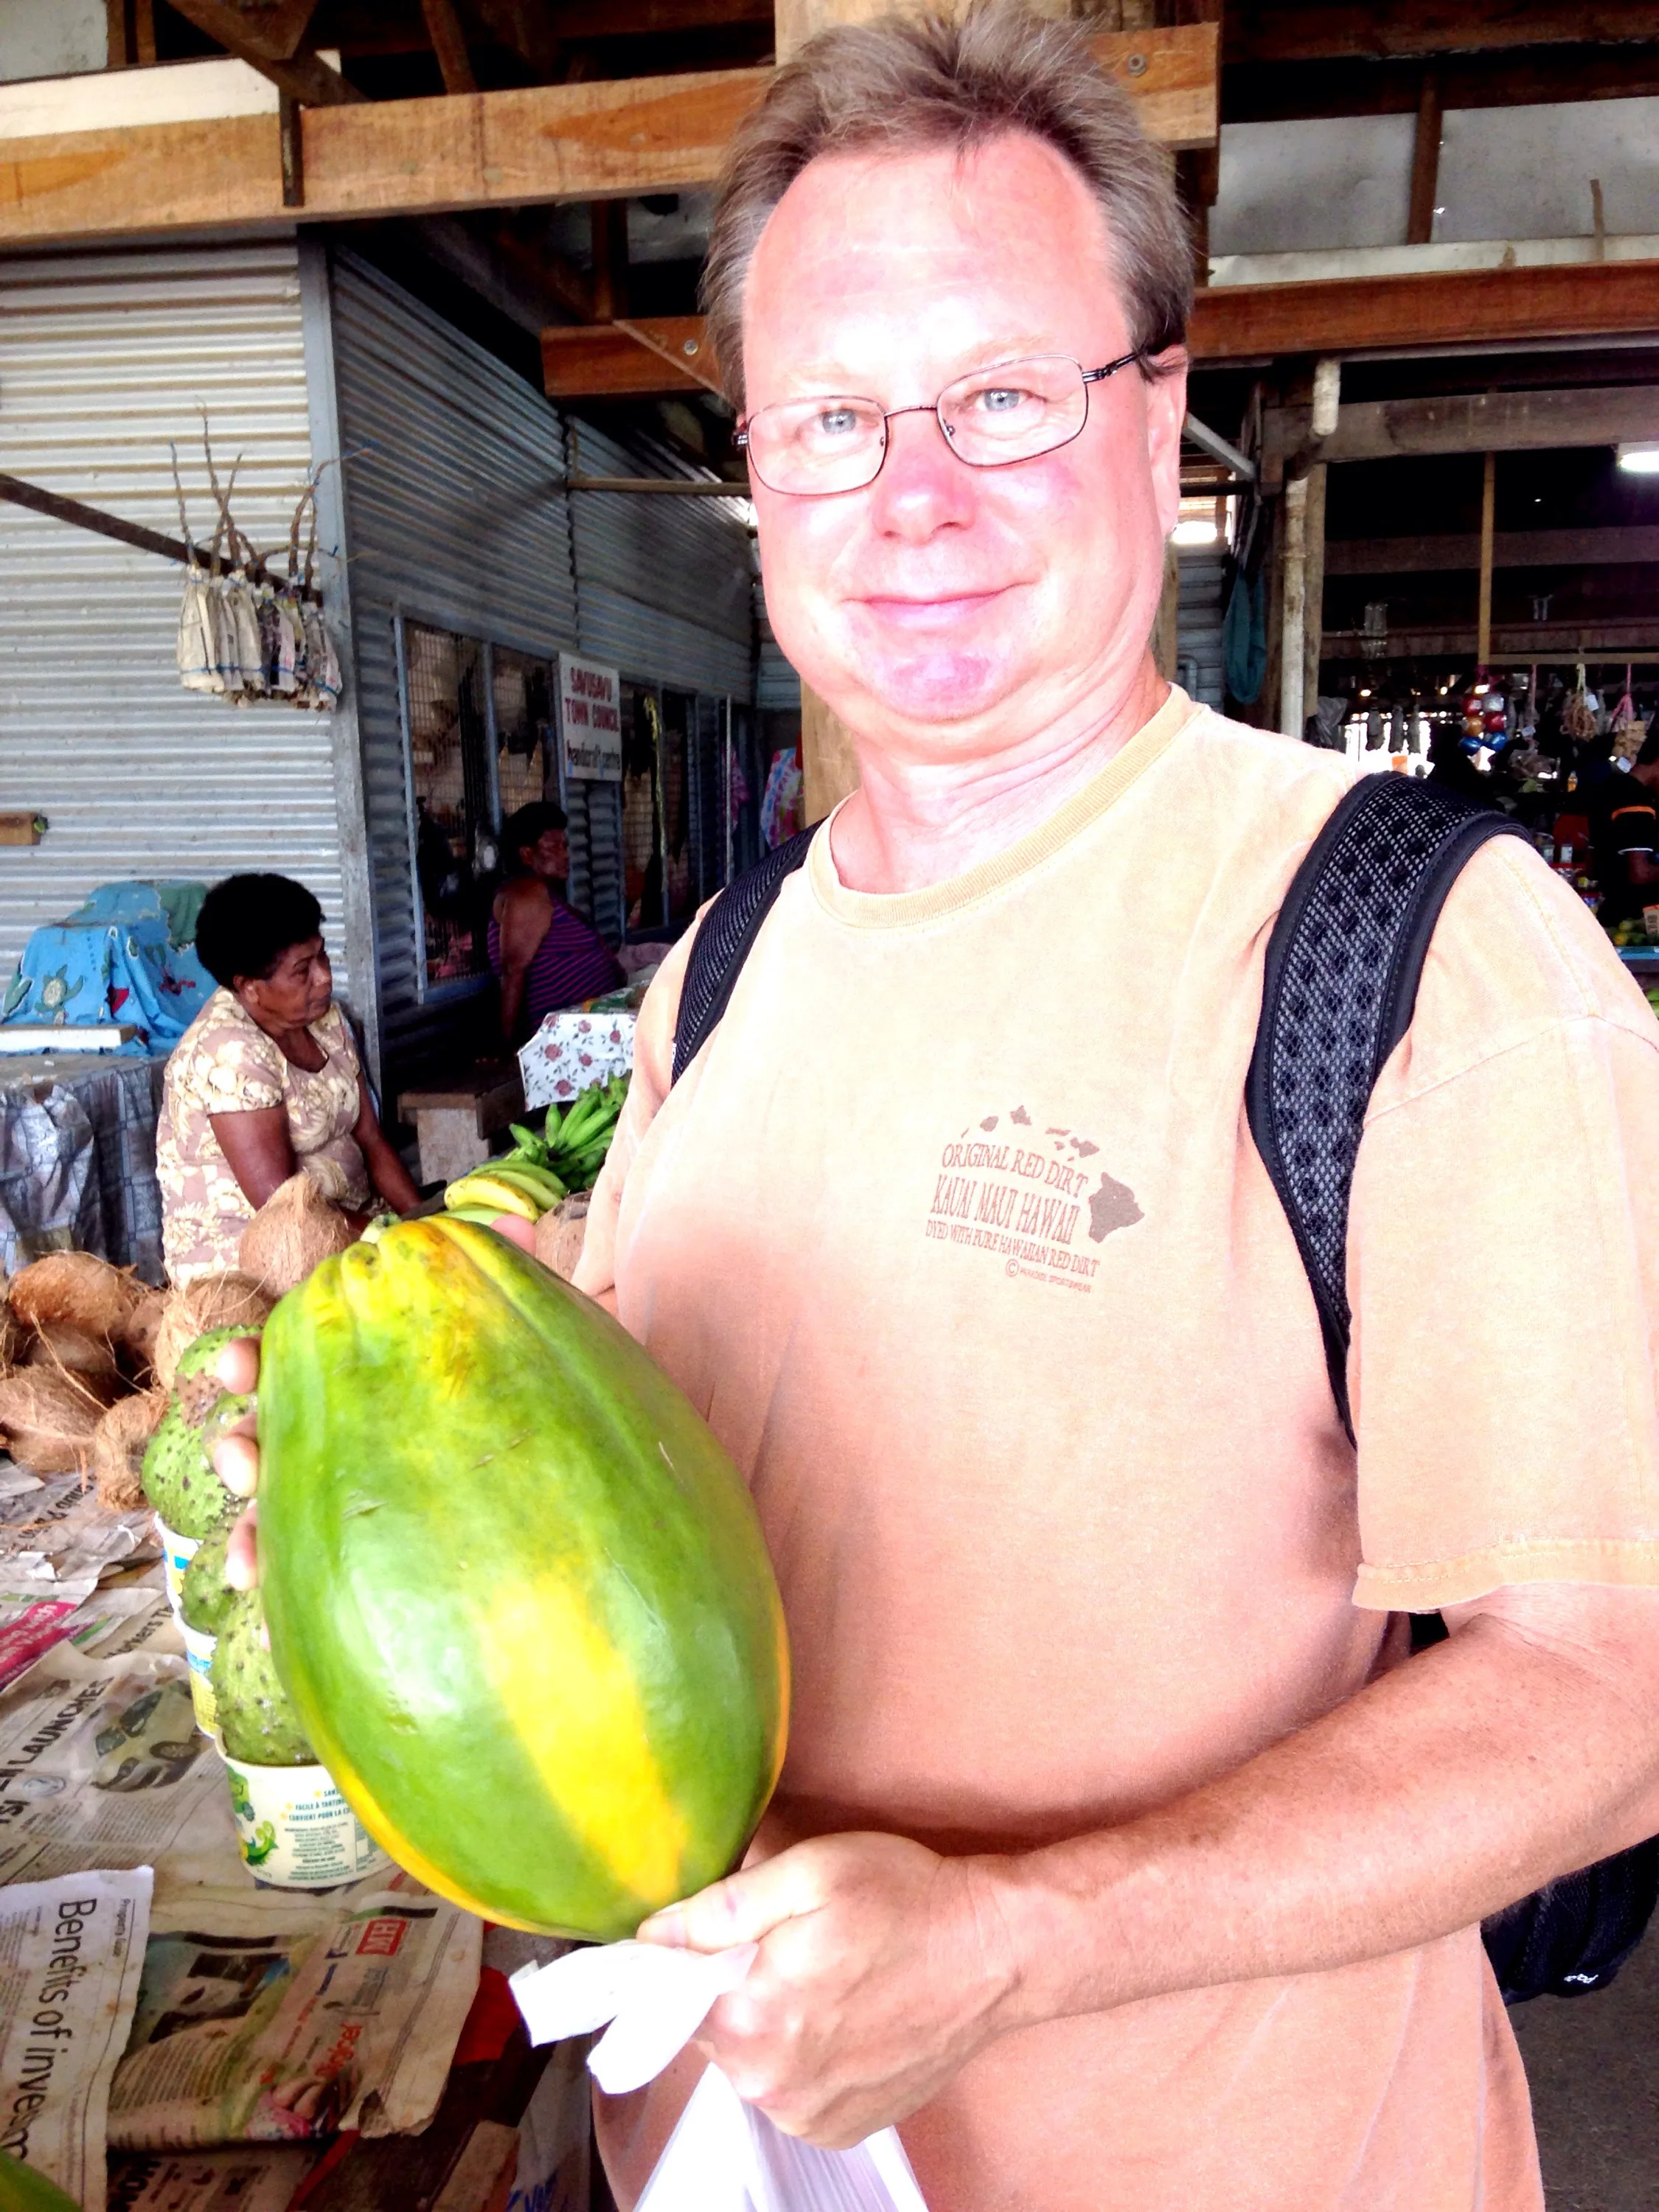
[(264, 1082)]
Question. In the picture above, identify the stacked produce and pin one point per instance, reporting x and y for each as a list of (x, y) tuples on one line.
[(543, 1168), (516, 1591)]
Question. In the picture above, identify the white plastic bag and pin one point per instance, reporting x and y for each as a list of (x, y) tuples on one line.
[(723, 2156)]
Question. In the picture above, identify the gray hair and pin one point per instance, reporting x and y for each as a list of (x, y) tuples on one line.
[(903, 83)]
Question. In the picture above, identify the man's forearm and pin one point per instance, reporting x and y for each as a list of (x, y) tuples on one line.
[(1446, 1789)]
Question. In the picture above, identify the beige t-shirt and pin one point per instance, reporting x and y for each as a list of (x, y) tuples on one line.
[(225, 1063), (956, 1232)]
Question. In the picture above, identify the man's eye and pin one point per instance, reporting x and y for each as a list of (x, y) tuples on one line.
[(836, 421), (1003, 399)]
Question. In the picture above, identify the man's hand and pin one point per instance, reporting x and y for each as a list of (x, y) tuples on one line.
[(882, 1968)]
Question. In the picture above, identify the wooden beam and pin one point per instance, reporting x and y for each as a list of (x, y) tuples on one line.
[(1319, 30), (1511, 642), (443, 27), (1244, 322), (1488, 510), (1471, 423), (300, 75), (1529, 78), (1426, 163), (510, 148), (1613, 547), (1173, 77), (527, 27), (645, 19), (615, 361)]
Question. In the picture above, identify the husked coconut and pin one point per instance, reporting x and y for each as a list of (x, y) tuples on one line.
[(48, 1418), (226, 1301), (117, 1447), (63, 1348), (76, 1287), (560, 1235), (14, 1337), (293, 1232), (142, 1328)]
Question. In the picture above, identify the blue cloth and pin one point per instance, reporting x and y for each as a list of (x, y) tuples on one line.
[(127, 956)]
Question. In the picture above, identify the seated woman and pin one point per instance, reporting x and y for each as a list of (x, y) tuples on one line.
[(264, 1082), (545, 953)]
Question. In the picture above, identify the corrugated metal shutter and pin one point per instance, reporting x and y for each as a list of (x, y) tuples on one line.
[(452, 516), (663, 585), (1200, 669), (108, 356)]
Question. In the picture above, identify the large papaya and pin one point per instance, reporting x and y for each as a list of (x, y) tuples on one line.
[(516, 1591)]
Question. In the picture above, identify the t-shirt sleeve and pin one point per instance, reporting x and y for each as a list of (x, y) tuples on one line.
[(1504, 1260), (235, 1068), (651, 1080)]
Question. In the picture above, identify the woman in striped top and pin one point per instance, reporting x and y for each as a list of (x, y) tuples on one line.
[(545, 953)]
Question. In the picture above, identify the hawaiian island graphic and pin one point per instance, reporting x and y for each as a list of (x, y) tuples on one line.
[(1028, 1196)]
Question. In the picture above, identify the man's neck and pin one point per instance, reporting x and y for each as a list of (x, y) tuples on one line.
[(909, 825)]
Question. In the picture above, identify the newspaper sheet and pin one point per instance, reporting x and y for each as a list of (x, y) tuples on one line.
[(70, 1954), (269, 2019), (253, 2177), (30, 1627), (57, 1542)]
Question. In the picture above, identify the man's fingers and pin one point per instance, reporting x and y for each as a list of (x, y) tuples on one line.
[(517, 1231), (242, 1553), (238, 1364), (744, 1908), (236, 1463)]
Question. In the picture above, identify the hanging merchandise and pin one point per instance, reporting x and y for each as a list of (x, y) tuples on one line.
[(1625, 726), (245, 634), (1578, 716)]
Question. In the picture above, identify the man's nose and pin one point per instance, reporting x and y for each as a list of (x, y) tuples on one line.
[(922, 486)]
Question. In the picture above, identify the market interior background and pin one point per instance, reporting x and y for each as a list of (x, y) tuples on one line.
[(415, 285)]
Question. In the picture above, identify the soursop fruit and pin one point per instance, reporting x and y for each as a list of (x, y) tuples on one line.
[(178, 1478), (207, 1597), (256, 1721)]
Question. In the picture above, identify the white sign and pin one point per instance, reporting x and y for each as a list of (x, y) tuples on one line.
[(590, 719)]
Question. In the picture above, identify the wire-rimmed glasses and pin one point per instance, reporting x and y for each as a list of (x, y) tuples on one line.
[(1011, 412)]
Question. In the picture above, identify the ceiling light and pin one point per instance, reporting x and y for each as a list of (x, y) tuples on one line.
[(1481, 689), (1195, 530), (1364, 694), (1641, 460)]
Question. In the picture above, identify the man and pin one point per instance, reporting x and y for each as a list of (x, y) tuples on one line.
[(1120, 1854), (1625, 824), (545, 955), (1117, 1854)]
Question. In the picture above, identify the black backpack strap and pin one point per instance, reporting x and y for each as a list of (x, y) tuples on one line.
[(1343, 966), (724, 942)]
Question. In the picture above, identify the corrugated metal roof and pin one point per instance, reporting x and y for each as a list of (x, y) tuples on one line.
[(104, 358)]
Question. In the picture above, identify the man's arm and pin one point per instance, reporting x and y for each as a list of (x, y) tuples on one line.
[(1525, 1746)]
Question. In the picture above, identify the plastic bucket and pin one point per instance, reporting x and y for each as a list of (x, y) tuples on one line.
[(295, 1831), (198, 1651), (177, 1552)]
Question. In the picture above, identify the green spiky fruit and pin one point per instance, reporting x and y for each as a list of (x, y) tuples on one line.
[(178, 1478), (206, 1598), (256, 1721)]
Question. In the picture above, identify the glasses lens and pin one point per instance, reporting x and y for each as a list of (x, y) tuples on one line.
[(818, 445), (1017, 408)]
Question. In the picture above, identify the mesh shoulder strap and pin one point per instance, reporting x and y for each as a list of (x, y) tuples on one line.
[(1343, 966), (724, 942)]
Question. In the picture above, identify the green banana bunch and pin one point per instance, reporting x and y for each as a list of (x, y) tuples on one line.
[(544, 1166), (576, 1140)]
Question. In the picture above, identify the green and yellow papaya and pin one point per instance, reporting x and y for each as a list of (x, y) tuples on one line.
[(516, 1591)]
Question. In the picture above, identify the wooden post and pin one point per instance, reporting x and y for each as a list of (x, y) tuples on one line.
[(1326, 404), (1166, 627), (1426, 163), (1488, 515), (1292, 657), (829, 764)]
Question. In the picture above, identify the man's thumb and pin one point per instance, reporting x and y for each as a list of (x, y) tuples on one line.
[(744, 1908)]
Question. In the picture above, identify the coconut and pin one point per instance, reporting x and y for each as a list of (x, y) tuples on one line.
[(560, 1235), (141, 1329), (14, 1337), (76, 1287), (292, 1232), (118, 1448), (60, 1346), (226, 1301), (49, 1418)]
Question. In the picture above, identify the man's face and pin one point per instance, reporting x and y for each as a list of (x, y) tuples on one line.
[(945, 611)]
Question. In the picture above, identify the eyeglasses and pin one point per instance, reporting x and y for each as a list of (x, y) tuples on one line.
[(1011, 412)]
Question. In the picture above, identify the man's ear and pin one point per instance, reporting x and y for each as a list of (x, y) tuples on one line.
[(1166, 410)]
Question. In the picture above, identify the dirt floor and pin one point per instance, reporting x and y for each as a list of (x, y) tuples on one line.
[(1594, 2065)]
